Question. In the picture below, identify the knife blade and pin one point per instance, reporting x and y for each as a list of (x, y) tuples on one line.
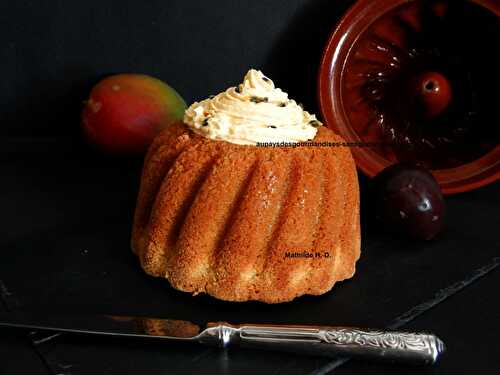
[(357, 343)]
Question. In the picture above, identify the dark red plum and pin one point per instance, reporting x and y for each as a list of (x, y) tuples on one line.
[(409, 200)]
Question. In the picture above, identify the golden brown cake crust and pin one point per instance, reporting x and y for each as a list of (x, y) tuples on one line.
[(220, 218)]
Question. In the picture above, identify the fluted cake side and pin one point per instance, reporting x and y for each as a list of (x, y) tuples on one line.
[(220, 218)]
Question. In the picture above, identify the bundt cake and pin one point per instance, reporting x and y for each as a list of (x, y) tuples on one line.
[(219, 213)]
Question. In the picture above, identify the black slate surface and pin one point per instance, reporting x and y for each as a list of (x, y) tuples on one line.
[(17, 354), (69, 252), (468, 322)]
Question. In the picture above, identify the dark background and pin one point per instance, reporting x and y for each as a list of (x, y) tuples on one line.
[(66, 210), (52, 52)]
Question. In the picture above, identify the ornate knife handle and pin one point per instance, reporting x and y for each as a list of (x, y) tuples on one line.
[(412, 348)]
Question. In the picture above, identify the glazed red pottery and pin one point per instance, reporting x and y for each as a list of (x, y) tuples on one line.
[(417, 81)]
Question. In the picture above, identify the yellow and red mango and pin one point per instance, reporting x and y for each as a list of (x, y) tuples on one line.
[(126, 111)]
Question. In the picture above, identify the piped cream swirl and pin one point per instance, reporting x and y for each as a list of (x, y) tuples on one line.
[(254, 111)]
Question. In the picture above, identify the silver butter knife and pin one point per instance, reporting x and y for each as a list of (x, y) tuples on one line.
[(357, 343)]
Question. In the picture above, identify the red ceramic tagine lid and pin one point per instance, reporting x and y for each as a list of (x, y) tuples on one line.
[(417, 81)]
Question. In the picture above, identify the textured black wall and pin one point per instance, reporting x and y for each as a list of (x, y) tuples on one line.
[(52, 52)]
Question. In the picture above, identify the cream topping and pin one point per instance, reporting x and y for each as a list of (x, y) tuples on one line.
[(254, 111)]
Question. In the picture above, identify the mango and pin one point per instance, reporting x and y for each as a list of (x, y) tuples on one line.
[(125, 112)]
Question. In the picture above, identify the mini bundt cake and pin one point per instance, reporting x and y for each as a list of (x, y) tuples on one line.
[(218, 214)]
